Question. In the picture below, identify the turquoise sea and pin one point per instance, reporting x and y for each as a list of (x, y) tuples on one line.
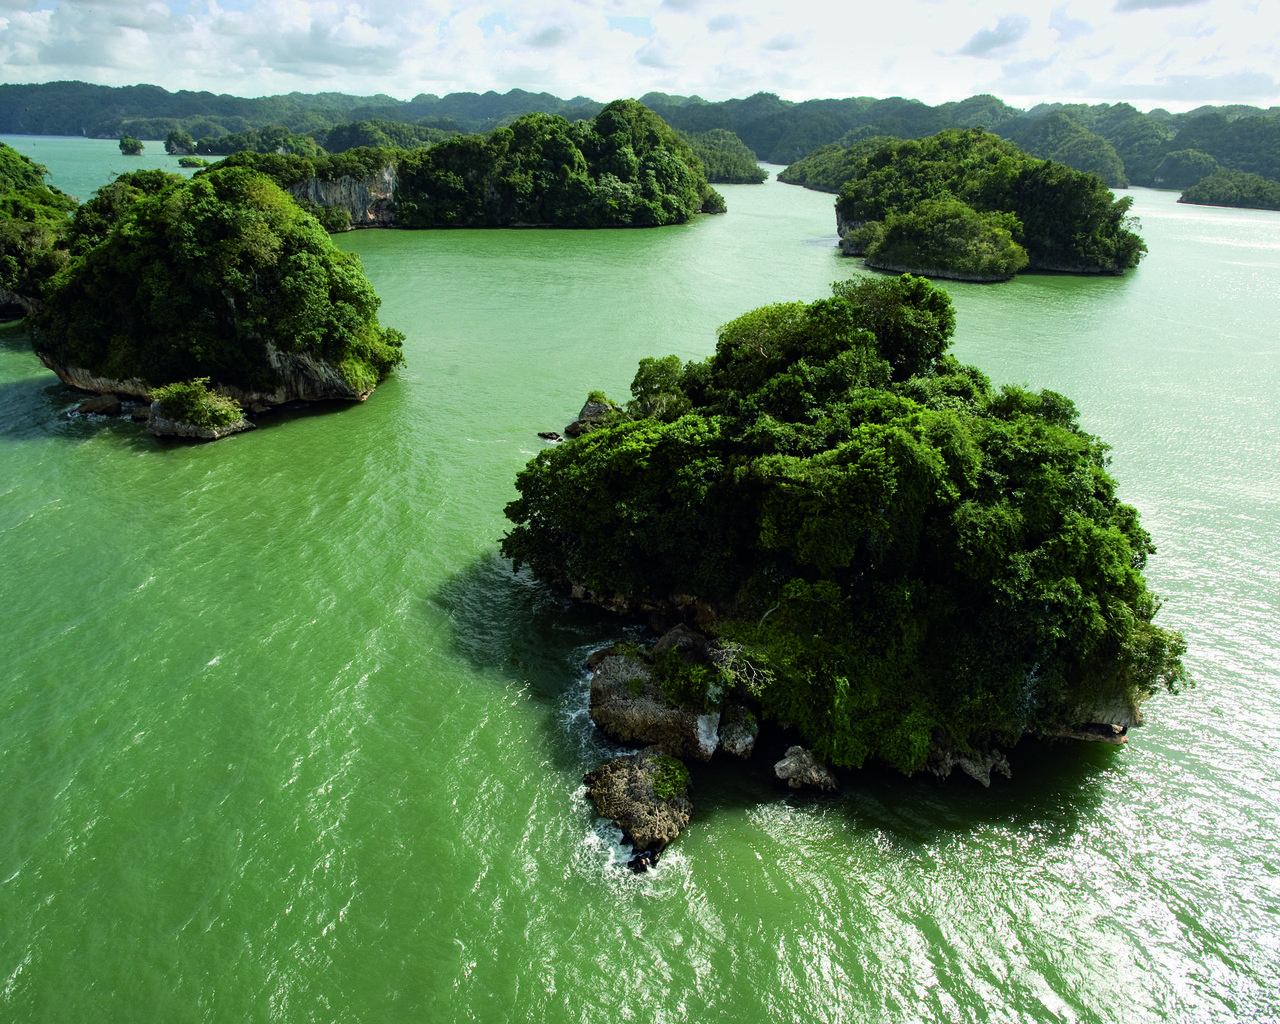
[(283, 739)]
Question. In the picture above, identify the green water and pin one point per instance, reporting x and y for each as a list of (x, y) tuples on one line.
[(282, 739)]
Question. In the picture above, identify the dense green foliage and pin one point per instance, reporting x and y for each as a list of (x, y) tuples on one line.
[(1183, 168), (272, 138), (725, 158), (624, 168), (892, 557), (195, 402), (1234, 188), (951, 235), (379, 134), (171, 280), (34, 220), (1064, 219), (830, 166), (130, 146)]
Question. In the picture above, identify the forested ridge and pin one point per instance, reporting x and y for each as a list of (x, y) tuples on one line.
[(1116, 141)]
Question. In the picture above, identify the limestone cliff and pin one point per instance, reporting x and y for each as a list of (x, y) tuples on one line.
[(303, 377), (370, 202)]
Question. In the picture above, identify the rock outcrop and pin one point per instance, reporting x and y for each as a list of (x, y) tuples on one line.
[(645, 795), (629, 705), (370, 202), (594, 413), (161, 426), (303, 378), (801, 768), (977, 764)]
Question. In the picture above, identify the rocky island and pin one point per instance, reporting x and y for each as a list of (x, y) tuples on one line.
[(864, 542)]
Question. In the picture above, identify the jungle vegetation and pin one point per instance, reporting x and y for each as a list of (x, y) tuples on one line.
[(1234, 188), (170, 280), (34, 220), (970, 204), (622, 168), (725, 158), (897, 551)]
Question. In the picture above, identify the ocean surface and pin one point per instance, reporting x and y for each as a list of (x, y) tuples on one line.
[(283, 739)]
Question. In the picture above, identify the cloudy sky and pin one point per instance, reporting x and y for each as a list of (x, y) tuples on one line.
[(1171, 53)]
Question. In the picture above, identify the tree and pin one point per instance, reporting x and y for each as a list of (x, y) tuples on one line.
[(130, 146)]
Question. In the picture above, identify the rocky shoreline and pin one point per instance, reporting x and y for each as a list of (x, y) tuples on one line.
[(646, 794)]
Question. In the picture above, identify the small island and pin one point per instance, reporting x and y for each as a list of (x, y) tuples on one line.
[(215, 296), (878, 549), (968, 205)]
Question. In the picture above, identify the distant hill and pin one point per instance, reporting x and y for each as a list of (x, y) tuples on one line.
[(1116, 141)]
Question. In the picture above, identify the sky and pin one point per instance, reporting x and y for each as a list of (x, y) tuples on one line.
[(1176, 54)]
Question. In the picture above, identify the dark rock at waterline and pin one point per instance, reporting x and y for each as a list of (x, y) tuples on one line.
[(549, 435), (103, 405), (593, 414), (800, 768), (623, 790)]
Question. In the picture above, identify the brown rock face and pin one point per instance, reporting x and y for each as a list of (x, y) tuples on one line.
[(623, 790)]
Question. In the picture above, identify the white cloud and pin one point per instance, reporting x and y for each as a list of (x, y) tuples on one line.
[(1171, 51)]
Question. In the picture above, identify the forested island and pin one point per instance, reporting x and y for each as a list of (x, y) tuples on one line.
[(885, 553), (1234, 188), (623, 168), (970, 205), (214, 296)]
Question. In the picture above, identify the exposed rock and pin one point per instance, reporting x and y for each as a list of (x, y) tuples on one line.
[(738, 730), (104, 405), (593, 414), (140, 411), (162, 427), (1107, 724), (952, 275), (369, 201), (623, 791), (801, 768), (549, 435), (977, 764), (691, 645), (628, 704), (303, 377)]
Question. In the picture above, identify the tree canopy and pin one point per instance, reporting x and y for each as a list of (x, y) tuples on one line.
[(173, 280), (895, 550), (911, 193), (34, 220), (624, 168)]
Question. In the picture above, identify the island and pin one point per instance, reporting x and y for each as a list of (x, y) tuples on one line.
[(1234, 188), (876, 548), (970, 205), (221, 284)]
